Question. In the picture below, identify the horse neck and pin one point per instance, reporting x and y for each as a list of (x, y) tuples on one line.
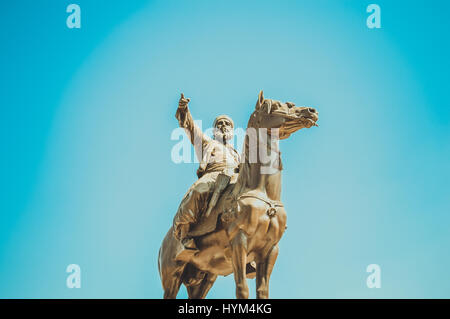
[(261, 168)]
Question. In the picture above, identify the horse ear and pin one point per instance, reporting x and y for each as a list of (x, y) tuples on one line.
[(269, 106), (260, 101)]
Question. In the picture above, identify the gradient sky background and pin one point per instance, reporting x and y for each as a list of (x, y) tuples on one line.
[(86, 117)]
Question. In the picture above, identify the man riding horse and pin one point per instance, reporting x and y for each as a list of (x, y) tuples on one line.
[(250, 219), (218, 162)]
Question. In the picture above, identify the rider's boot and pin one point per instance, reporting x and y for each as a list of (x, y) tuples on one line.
[(189, 243), (189, 247)]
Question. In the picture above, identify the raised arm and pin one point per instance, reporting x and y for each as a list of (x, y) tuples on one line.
[(184, 117)]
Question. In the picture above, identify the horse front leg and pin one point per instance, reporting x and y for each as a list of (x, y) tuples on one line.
[(239, 260), (264, 269)]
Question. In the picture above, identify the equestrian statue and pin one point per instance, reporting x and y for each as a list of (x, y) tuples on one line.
[(232, 218)]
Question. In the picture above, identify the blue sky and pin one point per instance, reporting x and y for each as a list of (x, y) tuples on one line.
[(87, 115)]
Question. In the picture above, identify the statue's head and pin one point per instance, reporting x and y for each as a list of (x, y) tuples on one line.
[(223, 128), (286, 117)]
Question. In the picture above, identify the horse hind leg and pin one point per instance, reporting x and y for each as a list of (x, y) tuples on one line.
[(201, 290), (171, 286), (264, 269)]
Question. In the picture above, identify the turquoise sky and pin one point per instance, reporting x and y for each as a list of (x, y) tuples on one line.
[(86, 117)]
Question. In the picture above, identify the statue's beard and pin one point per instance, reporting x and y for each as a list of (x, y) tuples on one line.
[(223, 136)]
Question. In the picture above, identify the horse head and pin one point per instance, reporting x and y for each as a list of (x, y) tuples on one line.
[(286, 117)]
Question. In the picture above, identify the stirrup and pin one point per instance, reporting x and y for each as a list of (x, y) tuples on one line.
[(189, 244), (188, 251)]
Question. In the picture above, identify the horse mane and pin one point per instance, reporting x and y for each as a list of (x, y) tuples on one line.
[(244, 166)]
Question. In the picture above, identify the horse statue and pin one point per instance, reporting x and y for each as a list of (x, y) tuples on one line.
[(249, 218)]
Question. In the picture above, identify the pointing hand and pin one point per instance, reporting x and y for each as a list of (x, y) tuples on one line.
[(183, 102)]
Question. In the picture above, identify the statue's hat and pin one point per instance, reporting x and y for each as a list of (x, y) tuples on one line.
[(223, 116)]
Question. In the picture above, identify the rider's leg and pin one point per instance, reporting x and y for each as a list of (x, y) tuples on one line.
[(191, 206)]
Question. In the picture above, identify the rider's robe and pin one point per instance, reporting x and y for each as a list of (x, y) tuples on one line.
[(215, 157)]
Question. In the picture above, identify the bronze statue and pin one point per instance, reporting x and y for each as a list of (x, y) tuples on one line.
[(235, 226), (219, 160)]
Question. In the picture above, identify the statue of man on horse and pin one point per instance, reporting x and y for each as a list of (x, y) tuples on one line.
[(218, 162), (231, 222)]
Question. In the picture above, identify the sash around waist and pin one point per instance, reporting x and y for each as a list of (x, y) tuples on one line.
[(217, 167)]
